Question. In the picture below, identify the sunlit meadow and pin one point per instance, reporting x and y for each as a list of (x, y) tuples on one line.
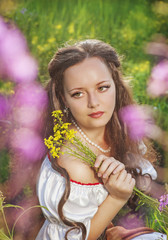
[(130, 26)]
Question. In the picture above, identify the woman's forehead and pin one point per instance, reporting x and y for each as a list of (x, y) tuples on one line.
[(89, 68)]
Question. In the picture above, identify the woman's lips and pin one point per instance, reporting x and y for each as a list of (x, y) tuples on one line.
[(96, 114)]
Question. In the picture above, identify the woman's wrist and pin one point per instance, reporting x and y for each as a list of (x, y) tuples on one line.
[(118, 202)]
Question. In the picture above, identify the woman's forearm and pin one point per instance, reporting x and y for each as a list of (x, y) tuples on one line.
[(106, 212)]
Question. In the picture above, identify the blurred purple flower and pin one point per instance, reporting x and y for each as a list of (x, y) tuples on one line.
[(29, 102), (158, 82), (13, 44), (131, 221), (158, 47), (16, 63), (27, 116), (23, 10), (32, 95), (23, 68), (138, 120), (163, 202), (4, 107), (3, 28), (28, 144)]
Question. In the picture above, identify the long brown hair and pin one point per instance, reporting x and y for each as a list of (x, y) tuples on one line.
[(115, 133)]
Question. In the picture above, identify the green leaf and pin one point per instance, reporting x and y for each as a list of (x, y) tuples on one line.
[(3, 236)]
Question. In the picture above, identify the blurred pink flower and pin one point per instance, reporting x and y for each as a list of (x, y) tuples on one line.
[(131, 221), (29, 102), (158, 46), (4, 107), (30, 95), (23, 68), (163, 202), (158, 82), (3, 28), (138, 120), (28, 116), (28, 144), (13, 44), (16, 63)]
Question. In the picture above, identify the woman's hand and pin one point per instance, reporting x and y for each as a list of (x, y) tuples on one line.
[(107, 166), (116, 180), (120, 185)]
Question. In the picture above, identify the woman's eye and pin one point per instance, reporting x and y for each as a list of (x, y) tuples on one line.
[(103, 88), (77, 94)]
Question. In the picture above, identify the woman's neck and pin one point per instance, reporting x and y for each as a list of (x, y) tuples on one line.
[(95, 137)]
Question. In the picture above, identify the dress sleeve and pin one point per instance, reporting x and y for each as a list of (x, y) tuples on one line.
[(147, 168)]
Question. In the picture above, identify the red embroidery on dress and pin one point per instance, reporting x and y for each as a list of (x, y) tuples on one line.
[(91, 184), (49, 156), (85, 183)]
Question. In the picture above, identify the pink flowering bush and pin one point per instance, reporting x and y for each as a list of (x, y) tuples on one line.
[(139, 121), (4, 106), (21, 115), (158, 81), (29, 98), (16, 62)]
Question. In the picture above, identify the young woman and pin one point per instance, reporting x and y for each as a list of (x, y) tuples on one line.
[(86, 84)]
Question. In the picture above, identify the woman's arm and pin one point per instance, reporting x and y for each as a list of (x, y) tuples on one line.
[(106, 212), (120, 187)]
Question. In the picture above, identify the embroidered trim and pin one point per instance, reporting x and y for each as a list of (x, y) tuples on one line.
[(48, 155), (88, 184)]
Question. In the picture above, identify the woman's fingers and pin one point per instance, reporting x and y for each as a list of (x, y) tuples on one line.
[(119, 168), (99, 160), (120, 185), (107, 166), (113, 168), (122, 176)]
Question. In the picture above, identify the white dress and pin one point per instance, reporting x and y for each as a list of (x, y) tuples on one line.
[(81, 205)]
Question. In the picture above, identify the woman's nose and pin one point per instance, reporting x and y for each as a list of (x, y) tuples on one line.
[(93, 100)]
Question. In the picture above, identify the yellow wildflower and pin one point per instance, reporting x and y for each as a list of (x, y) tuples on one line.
[(59, 26), (51, 40), (65, 125), (40, 48), (34, 40), (71, 28), (61, 135)]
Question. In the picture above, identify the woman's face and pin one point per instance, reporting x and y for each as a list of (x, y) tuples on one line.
[(89, 93)]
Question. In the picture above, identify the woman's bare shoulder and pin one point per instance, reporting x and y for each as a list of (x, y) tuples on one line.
[(77, 169)]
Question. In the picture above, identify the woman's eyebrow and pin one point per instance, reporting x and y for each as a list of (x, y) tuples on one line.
[(108, 80), (78, 88)]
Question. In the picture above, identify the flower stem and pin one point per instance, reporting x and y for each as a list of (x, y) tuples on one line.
[(6, 225), (146, 196), (12, 232)]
